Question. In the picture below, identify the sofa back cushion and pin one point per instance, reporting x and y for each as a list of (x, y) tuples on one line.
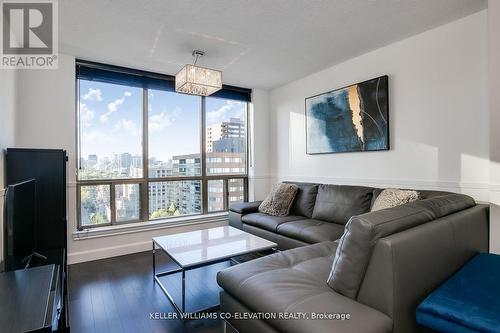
[(279, 201), (304, 199), (363, 231), (337, 203)]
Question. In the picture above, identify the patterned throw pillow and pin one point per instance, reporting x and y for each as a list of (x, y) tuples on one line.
[(393, 197), (279, 201)]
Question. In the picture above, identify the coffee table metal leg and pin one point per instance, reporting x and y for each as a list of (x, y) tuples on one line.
[(156, 278), (154, 262), (183, 290)]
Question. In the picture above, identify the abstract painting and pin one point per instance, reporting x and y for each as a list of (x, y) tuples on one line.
[(350, 119)]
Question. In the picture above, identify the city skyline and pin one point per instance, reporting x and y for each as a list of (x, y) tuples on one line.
[(166, 197), (112, 114), (226, 136)]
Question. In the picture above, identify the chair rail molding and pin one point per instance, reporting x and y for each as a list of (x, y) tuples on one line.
[(478, 190)]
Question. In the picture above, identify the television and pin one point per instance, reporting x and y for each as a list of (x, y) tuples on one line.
[(20, 226)]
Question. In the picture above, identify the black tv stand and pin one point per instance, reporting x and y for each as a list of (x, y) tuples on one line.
[(31, 300), (48, 168)]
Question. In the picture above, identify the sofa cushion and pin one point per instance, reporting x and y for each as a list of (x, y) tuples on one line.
[(268, 222), (305, 199), (279, 201), (293, 281), (338, 203), (311, 231), (363, 231), (392, 197)]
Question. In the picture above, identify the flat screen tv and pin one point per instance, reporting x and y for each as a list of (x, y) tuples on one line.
[(20, 225)]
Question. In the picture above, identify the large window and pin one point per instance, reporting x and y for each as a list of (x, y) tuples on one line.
[(226, 136), (147, 153)]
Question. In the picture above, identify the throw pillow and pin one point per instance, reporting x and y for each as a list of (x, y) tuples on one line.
[(279, 201), (393, 197)]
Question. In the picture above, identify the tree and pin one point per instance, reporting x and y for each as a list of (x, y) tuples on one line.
[(163, 213), (159, 213), (172, 209), (88, 197), (97, 218)]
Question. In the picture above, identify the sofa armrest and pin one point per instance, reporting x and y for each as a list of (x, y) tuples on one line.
[(245, 207)]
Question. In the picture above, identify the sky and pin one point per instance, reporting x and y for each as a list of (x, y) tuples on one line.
[(111, 120)]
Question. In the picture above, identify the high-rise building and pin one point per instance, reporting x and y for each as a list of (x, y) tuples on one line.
[(229, 145), (136, 161), (125, 161), (185, 195), (161, 169), (186, 165), (127, 202), (92, 161), (232, 129)]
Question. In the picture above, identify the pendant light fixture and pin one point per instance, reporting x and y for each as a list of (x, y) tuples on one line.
[(196, 80)]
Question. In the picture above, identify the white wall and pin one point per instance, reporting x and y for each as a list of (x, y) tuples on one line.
[(46, 119), (439, 122), (7, 120), (494, 108), (7, 114)]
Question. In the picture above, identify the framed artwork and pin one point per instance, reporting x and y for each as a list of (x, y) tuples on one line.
[(350, 119)]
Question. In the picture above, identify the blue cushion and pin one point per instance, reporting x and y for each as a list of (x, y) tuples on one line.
[(468, 302)]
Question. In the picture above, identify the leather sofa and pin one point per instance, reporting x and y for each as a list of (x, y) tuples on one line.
[(399, 255), (319, 213)]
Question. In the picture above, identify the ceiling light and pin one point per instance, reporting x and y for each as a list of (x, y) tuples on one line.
[(195, 80)]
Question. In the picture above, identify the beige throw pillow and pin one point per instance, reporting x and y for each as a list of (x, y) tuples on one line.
[(279, 201), (393, 197)]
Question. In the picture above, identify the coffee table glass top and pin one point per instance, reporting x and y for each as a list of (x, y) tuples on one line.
[(202, 246)]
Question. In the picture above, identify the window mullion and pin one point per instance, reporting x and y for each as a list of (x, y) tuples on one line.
[(203, 160), (245, 189), (145, 154), (248, 145), (225, 193), (112, 203)]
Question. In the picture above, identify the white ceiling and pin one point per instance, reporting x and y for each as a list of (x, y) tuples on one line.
[(257, 43)]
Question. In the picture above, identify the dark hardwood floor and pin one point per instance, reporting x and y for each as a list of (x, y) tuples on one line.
[(118, 294)]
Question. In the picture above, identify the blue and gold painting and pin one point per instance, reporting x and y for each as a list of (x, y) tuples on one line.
[(350, 119)]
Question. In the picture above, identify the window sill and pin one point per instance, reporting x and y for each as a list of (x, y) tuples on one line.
[(106, 231)]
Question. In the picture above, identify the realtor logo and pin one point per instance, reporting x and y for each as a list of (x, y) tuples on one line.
[(29, 34)]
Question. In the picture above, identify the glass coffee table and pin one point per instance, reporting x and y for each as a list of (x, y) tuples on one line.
[(195, 249)]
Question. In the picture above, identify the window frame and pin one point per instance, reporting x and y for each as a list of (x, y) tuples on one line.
[(145, 180)]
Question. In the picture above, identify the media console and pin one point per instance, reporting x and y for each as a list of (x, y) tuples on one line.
[(48, 168), (31, 300)]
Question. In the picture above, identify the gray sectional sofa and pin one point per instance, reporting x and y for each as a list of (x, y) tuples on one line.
[(384, 263), (319, 213)]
